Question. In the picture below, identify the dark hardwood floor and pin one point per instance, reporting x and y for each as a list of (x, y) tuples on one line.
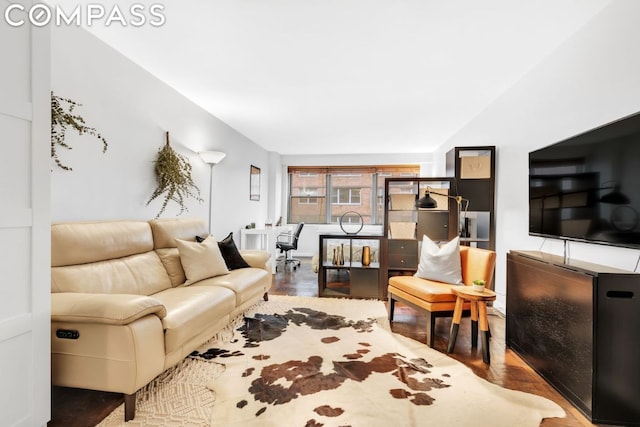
[(84, 408)]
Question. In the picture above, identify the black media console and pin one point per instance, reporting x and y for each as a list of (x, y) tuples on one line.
[(578, 325)]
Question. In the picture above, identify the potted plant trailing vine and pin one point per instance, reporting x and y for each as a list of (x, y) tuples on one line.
[(173, 176), (61, 119)]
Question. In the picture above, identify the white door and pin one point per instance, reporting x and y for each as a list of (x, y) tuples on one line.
[(24, 224)]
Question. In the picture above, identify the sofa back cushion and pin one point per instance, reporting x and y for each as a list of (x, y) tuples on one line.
[(75, 243), (165, 232), (106, 257)]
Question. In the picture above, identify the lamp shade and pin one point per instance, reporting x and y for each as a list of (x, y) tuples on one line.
[(212, 157), (426, 202)]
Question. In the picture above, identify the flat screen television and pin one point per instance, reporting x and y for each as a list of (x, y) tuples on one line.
[(587, 187)]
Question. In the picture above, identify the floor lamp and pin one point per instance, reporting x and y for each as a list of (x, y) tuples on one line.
[(428, 202), (212, 158)]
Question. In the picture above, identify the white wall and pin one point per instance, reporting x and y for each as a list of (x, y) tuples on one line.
[(274, 208), (590, 80), (133, 109)]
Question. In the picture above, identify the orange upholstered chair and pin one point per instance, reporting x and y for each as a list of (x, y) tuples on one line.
[(436, 297)]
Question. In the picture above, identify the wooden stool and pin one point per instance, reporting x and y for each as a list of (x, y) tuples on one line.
[(478, 302)]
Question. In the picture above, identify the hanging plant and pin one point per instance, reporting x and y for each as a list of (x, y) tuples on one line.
[(173, 175), (61, 119)]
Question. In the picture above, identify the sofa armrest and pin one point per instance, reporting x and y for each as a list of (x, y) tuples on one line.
[(111, 309), (257, 258)]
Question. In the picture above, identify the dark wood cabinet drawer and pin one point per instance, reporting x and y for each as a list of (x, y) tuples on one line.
[(403, 247), (403, 254), (364, 283), (403, 261)]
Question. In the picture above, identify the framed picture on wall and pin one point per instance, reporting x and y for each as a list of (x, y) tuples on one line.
[(254, 183)]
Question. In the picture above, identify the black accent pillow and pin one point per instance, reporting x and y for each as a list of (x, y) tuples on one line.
[(230, 253)]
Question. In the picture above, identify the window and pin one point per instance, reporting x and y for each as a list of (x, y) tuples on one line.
[(345, 196), (321, 195), (307, 197), (310, 199), (349, 219)]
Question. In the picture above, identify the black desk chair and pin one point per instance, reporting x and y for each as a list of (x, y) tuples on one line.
[(290, 244)]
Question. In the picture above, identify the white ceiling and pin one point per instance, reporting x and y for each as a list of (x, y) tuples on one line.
[(347, 76)]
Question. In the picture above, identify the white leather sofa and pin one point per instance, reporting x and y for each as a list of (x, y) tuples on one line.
[(120, 310)]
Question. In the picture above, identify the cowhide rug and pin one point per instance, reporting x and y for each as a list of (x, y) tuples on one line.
[(296, 361)]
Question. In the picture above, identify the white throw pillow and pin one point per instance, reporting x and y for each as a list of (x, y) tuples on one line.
[(201, 260), (440, 263)]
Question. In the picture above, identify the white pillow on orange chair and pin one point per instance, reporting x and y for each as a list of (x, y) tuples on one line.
[(440, 263)]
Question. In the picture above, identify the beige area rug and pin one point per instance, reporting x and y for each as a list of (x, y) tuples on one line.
[(296, 361)]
